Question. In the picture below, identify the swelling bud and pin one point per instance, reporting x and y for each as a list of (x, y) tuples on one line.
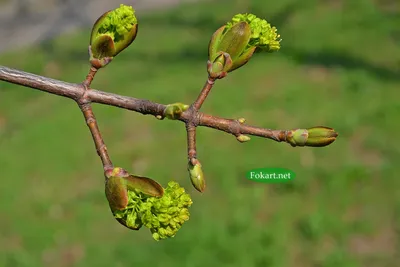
[(174, 111), (113, 32), (316, 137)]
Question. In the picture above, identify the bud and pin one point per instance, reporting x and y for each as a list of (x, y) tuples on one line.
[(315, 137), (119, 181), (241, 120), (243, 138), (219, 68), (116, 191), (321, 136), (197, 176), (297, 137), (174, 111), (235, 39), (113, 32), (241, 37)]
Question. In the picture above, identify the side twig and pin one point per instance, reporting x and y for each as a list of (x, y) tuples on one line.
[(97, 138), (86, 108), (191, 140)]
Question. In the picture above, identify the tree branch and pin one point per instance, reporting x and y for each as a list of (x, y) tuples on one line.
[(76, 91)]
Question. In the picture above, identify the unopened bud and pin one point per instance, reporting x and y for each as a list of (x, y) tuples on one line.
[(197, 176), (235, 39), (315, 137), (219, 68), (241, 120), (174, 111), (321, 136), (297, 137), (243, 138)]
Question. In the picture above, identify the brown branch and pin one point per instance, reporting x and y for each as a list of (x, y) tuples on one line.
[(236, 128), (191, 122), (89, 78), (97, 138), (191, 141), (86, 108), (76, 91)]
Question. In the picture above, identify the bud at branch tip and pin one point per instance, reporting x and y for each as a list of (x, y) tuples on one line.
[(197, 176), (114, 31), (315, 137)]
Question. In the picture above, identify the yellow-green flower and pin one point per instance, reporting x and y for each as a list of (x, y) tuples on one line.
[(263, 35), (164, 215)]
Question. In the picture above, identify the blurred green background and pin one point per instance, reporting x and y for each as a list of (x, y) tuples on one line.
[(339, 66)]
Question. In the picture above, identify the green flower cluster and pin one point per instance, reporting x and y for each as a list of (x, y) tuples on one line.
[(263, 35), (118, 22), (164, 216)]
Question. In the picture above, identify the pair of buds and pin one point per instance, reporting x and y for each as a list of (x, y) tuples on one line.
[(231, 46)]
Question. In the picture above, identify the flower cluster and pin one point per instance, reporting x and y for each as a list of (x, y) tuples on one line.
[(118, 22), (164, 215), (263, 35)]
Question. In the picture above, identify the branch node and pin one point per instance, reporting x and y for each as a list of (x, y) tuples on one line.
[(235, 127), (102, 148), (84, 99), (90, 120)]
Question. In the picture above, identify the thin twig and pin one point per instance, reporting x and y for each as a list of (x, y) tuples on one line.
[(76, 91), (235, 127), (191, 124), (97, 138), (86, 108), (89, 78), (203, 94), (191, 142)]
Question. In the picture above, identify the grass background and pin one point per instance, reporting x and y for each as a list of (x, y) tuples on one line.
[(338, 66)]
